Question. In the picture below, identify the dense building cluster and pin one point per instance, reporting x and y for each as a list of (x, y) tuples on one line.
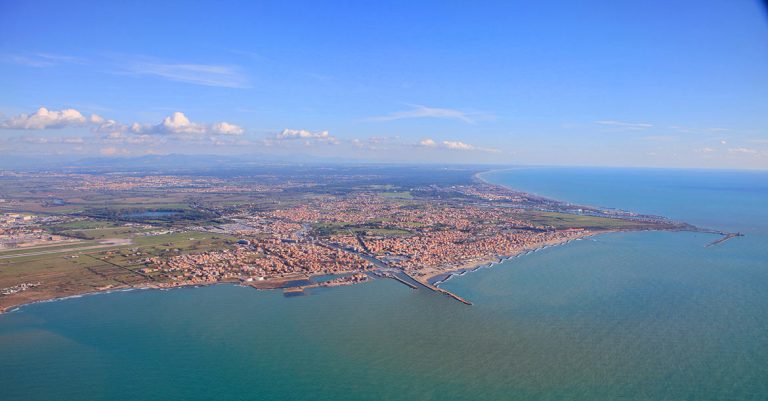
[(19, 230), (259, 260), (329, 234), (454, 248)]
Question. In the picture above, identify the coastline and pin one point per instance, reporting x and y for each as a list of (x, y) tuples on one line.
[(478, 177), (431, 277), (438, 278), (259, 286)]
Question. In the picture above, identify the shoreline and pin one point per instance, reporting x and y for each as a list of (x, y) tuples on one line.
[(490, 261), (266, 285), (432, 279), (478, 177)]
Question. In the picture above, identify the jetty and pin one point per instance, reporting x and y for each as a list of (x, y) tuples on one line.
[(725, 237), (438, 289), (393, 276)]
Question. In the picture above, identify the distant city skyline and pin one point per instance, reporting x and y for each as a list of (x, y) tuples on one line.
[(599, 83)]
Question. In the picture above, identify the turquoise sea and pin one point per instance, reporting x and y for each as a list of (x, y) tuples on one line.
[(629, 316)]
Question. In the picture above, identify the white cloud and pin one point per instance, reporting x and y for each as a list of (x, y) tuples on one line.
[(302, 134), (307, 138), (454, 145), (225, 128), (378, 143), (177, 124), (45, 119), (428, 142), (623, 125), (705, 150), (109, 127), (418, 111)]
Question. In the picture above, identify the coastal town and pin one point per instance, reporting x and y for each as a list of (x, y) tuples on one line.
[(96, 232)]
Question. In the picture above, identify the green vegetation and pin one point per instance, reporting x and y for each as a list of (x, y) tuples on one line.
[(565, 220), (76, 271), (397, 195), (82, 225), (103, 233)]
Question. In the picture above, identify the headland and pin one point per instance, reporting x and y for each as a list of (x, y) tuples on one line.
[(70, 233)]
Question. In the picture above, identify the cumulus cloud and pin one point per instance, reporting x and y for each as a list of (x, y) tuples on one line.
[(418, 111), (379, 143), (225, 128), (301, 134), (457, 145), (45, 119), (111, 132), (454, 145), (179, 125), (307, 137), (428, 142)]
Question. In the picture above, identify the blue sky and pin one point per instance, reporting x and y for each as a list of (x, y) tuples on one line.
[(622, 83)]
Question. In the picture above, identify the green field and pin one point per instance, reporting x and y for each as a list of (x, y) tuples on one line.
[(565, 220), (77, 271), (397, 195)]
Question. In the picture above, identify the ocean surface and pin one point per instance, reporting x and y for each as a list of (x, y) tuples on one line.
[(629, 316)]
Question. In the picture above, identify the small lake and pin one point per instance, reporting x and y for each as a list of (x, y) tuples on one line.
[(149, 214)]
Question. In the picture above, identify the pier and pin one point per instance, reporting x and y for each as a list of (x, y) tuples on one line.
[(394, 276), (437, 289), (725, 237)]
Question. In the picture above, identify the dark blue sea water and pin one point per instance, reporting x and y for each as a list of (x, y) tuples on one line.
[(629, 316)]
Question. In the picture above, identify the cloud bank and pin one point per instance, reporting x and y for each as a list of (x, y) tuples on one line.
[(45, 119)]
